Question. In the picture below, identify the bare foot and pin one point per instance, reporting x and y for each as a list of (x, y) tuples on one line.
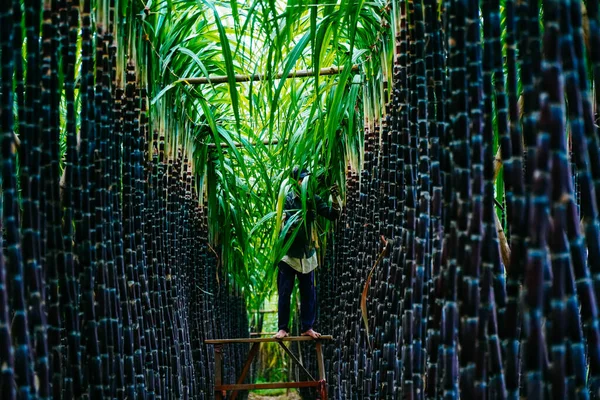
[(312, 334), (281, 334)]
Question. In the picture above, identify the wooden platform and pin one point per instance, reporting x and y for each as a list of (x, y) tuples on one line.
[(222, 389)]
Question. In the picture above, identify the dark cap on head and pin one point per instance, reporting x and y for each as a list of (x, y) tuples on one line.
[(297, 173)]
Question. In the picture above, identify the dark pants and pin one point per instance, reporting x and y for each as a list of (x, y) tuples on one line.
[(308, 297)]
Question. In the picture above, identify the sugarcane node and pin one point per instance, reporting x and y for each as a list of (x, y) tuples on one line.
[(565, 198)]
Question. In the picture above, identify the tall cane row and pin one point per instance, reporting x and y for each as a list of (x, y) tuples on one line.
[(476, 296), (108, 282)]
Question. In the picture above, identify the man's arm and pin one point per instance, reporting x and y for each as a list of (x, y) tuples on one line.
[(329, 212), (288, 212)]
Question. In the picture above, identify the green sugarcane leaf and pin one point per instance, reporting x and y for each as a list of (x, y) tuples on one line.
[(229, 64)]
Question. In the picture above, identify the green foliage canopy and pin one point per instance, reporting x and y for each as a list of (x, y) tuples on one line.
[(229, 130)]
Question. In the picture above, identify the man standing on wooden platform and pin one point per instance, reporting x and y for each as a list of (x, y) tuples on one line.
[(301, 258)]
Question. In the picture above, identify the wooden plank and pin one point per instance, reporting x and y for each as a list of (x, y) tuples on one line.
[(268, 340), (246, 368), (216, 79), (277, 385)]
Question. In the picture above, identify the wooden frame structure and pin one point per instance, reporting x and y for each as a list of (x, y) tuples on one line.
[(221, 389)]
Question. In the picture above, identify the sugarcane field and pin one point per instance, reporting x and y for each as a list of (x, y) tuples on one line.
[(299, 199)]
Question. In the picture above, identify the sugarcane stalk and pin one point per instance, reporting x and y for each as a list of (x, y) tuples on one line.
[(10, 223)]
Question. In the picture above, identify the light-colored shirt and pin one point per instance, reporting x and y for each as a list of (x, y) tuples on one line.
[(302, 265)]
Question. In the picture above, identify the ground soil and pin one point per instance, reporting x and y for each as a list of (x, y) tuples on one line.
[(292, 396)]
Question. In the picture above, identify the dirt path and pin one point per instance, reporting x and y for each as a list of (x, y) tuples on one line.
[(291, 396)]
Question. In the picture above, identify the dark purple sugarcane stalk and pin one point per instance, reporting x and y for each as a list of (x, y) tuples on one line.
[(172, 286), (158, 298), (534, 350), (30, 185), (152, 232), (110, 130), (101, 281), (18, 69), (162, 261), (144, 254), (580, 120), (431, 267), (585, 121), (401, 88), (127, 309), (560, 351), (69, 286), (9, 205), (436, 113), (136, 267), (84, 227), (188, 389), (551, 133), (490, 374), (189, 289), (471, 270), (119, 293), (587, 102), (504, 140), (520, 183), (107, 273), (422, 245), (52, 215), (410, 137), (593, 14), (112, 96), (513, 167), (455, 241)]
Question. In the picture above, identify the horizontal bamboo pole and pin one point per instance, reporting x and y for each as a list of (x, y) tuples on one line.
[(303, 73), (225, 144), (274, 385), (263, 340)]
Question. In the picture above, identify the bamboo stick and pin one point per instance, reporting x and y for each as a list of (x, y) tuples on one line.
[(264, 142), (303, 73)]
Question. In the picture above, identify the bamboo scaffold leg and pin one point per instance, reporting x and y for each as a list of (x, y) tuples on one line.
[(221, 389)]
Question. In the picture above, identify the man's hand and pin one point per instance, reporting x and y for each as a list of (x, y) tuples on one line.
[(334, 191), (336, 202)]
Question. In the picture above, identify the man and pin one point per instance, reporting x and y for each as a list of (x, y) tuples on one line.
[(301, 259)]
